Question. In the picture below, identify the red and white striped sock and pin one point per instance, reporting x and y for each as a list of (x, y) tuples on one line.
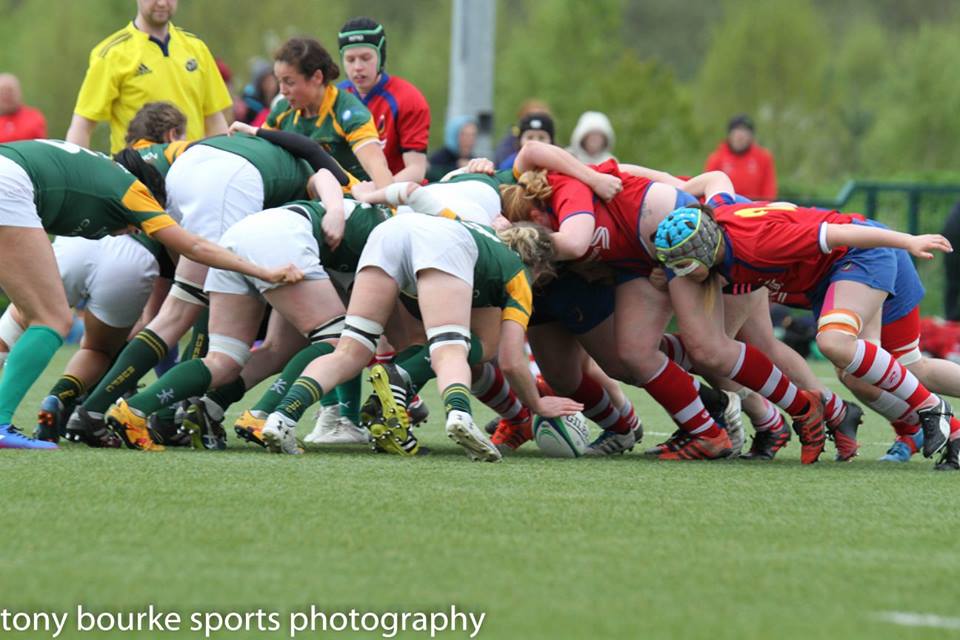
[(834, 410), (596, 403), (755, 371), (673, 388), (771, 419), (493, 390), (874, 365), (892, 408), (672, 346), (629, 416)]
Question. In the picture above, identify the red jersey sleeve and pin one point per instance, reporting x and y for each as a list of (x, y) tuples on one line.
[(570, 197), (413, 125)]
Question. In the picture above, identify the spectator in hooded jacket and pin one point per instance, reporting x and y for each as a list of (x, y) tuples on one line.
[(750, 166), (459, 138), (592, 139)]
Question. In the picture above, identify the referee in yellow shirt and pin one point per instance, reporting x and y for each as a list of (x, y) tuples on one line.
[(150, 60)]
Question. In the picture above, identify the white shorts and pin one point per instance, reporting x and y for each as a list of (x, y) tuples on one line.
[(17, 208), (405, 245), (271, 238), (209, 190), (112, 276), (471, 199)]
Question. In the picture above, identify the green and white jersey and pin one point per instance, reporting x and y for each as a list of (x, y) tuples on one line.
[(360, 221), (500, 278), (342, 125), (284, 176), (161, 155), (79, 192)]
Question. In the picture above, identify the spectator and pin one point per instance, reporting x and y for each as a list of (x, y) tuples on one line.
[(592, 139), (17, 121), (749, 165), (510, 142), (259, 93), (150, 60), (459, 138), (534, 126), (399, 110), (951, 266)]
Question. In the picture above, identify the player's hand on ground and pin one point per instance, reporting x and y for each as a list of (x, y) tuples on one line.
[(481, 165), (333, 227), (288, 274), (606, 186), (556, 407), (242, 127), (922, 246)]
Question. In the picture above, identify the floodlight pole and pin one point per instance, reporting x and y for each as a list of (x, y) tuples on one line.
[(471, 67)]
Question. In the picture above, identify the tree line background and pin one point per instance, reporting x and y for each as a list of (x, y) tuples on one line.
[(860, 88)]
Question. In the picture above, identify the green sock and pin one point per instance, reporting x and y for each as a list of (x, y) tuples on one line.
[(27, 360), (197, 347), (303, 392), (475, 355), (271, 398), (190, 378), (226, 394), (330, 400), (348, 394), (139, 356), (68, 388), (456, 397), (415, 363)]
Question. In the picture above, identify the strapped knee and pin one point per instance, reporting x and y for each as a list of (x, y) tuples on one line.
[(10, 330), (366, 332), (236, 350), (842, 320), (189, 292), (448, 334), (328, 331)]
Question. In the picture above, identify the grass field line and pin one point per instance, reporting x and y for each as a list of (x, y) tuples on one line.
[(909, 619)]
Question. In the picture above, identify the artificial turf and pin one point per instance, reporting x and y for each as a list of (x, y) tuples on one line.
[(612, 548)]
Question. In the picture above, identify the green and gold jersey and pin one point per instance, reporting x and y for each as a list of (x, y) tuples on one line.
[(79, 192), (500, 279), (341, 126), (361, 219), (284, 176), (161, 155)]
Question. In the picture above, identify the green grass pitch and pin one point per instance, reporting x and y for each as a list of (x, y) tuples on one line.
[(614, 548)]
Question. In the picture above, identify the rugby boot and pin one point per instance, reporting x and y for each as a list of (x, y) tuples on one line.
[(935, 422), (765, 444), (701, 448), (13, 438), (130, 426), (809, 427), (462, 430), (249, 427), (844, 435)]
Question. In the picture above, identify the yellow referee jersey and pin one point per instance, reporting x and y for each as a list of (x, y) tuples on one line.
[(129, 69)]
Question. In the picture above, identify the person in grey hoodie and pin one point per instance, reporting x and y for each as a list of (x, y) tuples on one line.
[(592, 139)]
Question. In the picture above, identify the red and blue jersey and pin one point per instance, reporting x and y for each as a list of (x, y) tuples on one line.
[(777, 245), (616, 235), (400, 114)]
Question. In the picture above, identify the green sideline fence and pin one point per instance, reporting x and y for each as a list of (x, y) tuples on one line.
[(911, 206)]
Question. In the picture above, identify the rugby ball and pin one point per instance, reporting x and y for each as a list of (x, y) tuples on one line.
[(566, 437)]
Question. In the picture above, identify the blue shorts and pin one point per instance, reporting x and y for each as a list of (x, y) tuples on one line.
[(576, 304), (885, 269)]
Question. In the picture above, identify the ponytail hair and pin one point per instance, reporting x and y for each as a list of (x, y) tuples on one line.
[(532, 242), (144, 172), (532, 190)]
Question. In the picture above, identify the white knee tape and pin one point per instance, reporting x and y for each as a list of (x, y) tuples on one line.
[(448, 334), (189, 292), (366, 332), (396, 193), (236, 350), (10, 331)]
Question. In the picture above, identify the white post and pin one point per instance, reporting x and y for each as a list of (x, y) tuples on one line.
[(471, 67)]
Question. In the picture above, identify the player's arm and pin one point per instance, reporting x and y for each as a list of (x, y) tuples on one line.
[(201, 250), (574, 237), (326, 188), (80, 130), (299, 146), (539, 155), (373, 161), (706, 185), (414, 167), (215, 124), (864, 237), (515, 365), (651, 174)]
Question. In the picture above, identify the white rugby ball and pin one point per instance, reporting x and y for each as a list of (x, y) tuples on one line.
[(566, 437)]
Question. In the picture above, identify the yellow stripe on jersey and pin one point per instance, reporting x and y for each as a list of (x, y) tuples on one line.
[(138, 198), (175, 149), (520, 305), (447, 213), (157, 223)]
